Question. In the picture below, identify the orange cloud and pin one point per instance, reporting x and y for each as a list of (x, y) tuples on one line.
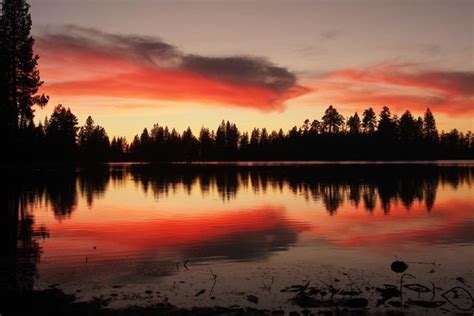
[(403, 87), (176, 86), (86, 62)]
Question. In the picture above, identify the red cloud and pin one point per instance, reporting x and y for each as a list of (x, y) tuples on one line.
[(402, 102), (87, 62), (446, 82), (403, 87), (176, 86)]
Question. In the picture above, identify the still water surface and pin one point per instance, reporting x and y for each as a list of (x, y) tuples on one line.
[(141, 234)]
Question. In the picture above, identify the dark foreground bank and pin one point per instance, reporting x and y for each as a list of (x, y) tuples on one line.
[(405, 297)]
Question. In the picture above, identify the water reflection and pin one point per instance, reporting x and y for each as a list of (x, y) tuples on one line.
[(20, 250), (333, 185), (126, 224)]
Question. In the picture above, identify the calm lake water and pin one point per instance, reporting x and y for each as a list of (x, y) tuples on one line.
[(243, 234)]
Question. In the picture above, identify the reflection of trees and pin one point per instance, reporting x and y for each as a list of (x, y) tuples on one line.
[(205, 182), (354, 194), (333, 185), (21, 193), (226, 184), (386, 194), (20, 251), (60, 188), (430, 188), (369, 197), (333, 197), (61, 193), (28, 249), (93, 182), (367, 185)]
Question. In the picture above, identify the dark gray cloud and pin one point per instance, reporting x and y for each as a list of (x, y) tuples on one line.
[(241, 70), (153, 52)]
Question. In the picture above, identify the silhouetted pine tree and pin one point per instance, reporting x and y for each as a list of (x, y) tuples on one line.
[(387, 127), (93, 142), (353, 123), (369, 121), (19, 74), (332, 120), (61, 135), (429, 126)]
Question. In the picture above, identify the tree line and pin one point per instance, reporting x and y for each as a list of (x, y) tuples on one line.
[(332, 137), (383, 136), (369, 136)]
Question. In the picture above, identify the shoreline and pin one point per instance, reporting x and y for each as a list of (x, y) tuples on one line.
[(406, 297)]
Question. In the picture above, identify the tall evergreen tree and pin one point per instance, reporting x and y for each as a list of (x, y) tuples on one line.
[(332, 120), (86, 132), (353, 123), (407, 127), (206, 143), (264, 137), (19, 74), (189, 145), (244, 141), (255, 137), (145, 137), (387, 127), (232, 136), (94, 143), (62, 134), (369, 120), (221, 137), (429, 126), (316, 127)]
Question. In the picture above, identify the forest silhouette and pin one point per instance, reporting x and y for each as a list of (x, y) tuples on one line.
[(59, 138)]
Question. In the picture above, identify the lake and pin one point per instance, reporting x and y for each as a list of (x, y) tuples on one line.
[(277, 236)]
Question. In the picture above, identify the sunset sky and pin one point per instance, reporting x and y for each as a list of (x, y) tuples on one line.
[(265, 63)]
